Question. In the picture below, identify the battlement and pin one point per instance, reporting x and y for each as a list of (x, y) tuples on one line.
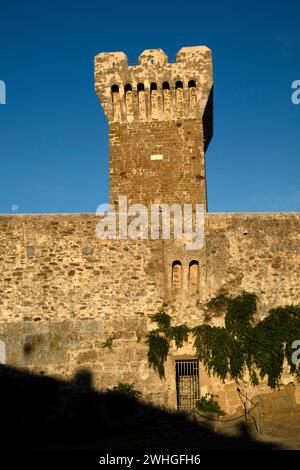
[(154, 90), (160, 124)]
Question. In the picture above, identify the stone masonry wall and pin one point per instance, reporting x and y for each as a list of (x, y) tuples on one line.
[(64, 292), (160, 124), (178, 176)]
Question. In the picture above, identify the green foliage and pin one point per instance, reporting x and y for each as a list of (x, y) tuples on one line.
[(108, 343), (223, 351), (220, 353), (179, 334), (159, 340), (239, 316), (271, 342), (227, 352), (125, 390), (239, 346), (209, 404), (162, 319), (218, 302), (157, 352)]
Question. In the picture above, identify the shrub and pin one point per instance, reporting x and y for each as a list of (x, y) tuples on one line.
[(209, 404), (125, 390)]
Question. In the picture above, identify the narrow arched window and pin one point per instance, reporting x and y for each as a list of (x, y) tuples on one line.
[(176, 278), (178, 84), (166, 86), (194, 277)]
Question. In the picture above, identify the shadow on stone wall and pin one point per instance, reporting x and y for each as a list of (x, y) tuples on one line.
[(42, 413)]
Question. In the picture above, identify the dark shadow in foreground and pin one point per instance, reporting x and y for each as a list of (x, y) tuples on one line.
[(42, 413)]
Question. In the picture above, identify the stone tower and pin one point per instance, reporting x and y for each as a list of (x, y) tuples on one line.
[(160, 124)]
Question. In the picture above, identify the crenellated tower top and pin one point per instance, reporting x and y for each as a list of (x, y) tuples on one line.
[(160, 124), (155, 89)]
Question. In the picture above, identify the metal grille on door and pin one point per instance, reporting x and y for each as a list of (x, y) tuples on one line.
[(187, 383)]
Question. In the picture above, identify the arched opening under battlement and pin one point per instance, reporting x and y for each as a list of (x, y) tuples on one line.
[(128, 100), (127, 87), (192, 97), (116, 102), (192, 84), (154, 100), (166, 99), (141, 101), (179, 98), (115, 89)]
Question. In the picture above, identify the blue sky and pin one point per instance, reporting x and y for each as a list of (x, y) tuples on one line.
[(53, 133)]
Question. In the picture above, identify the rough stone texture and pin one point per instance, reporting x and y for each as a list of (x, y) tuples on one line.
[(64, 292), (160, 118), (180, 175), (63, 298)]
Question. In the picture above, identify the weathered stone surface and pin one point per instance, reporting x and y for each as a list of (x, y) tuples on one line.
[(160, 118), (64, 292)]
